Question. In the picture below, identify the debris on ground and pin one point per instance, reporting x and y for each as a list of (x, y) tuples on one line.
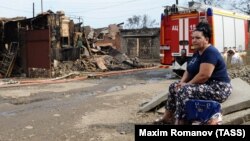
[(8, 81), (242, 72), (98, 63)]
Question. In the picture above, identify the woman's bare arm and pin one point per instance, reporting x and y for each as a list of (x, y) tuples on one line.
[(184, 78), (206, 70)]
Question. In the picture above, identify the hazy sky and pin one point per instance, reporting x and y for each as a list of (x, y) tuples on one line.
[(96, 13)]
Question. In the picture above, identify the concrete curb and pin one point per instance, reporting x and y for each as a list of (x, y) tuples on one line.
[(237, 118)]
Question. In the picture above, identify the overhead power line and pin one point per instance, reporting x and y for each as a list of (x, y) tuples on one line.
[(10, 8), (105, 7), (121, 15)]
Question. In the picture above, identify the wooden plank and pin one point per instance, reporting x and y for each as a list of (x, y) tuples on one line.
[(100, 63)]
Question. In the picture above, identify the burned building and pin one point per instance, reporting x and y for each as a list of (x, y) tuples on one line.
[(109, 36), (141, 43), (52, 45), (38, 41)]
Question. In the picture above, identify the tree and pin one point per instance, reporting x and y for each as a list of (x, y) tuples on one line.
[(239, 5), (216, 3), (137, 22), (242, 5)]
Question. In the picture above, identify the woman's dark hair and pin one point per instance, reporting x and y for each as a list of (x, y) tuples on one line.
[(204, 27)]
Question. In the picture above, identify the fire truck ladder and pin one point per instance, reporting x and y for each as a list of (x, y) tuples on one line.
[(9, 60)]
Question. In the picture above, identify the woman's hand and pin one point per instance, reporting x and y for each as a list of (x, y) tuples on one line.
[(179, 85)]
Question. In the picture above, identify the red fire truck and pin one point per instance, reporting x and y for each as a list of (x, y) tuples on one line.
[(229, 30)]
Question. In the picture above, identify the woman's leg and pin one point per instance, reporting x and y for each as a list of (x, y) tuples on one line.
[(171, 100), (217, 91), (170, 105)]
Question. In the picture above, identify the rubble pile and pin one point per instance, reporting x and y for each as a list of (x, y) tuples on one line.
[(52, 44), (242, 72), (98, 63), (100, 52)]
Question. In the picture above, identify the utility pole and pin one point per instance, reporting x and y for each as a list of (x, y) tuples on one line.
[(33, 9), (41, 6)]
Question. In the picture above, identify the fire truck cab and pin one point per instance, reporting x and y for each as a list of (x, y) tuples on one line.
[(230, 30)]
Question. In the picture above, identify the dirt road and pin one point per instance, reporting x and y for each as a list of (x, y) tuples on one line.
[(102, 109)]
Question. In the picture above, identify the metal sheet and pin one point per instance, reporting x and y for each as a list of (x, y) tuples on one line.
[(38, 49)]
